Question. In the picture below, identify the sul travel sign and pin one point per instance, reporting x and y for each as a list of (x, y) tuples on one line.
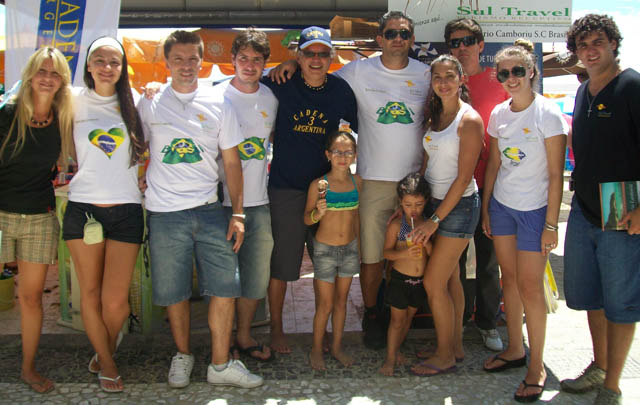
[(501, 20)]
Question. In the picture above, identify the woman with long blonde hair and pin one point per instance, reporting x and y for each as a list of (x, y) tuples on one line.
[(35, 133)]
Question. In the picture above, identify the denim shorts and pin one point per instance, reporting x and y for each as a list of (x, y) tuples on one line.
[(601, 269), (461, 221), (525, 225), (176, 238), (331, 261), (254, 257), (32, 238), (123, 222), (405, 291)]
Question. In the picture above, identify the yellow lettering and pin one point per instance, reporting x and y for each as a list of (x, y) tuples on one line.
[(66, 46), (47, 33), (49, 16), (74, 28), (70, 8), (308, 112)]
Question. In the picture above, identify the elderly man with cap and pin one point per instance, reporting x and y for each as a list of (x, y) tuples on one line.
[(311, 105)]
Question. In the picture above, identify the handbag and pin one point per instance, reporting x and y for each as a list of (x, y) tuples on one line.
[(551, 294)]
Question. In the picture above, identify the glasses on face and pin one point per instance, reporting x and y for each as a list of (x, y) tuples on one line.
[(310, 54), (339, 153), (393, 33), (467, 41), (516, 71)]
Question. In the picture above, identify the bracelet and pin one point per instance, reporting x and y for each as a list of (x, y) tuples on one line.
[(241, 216), (550, 227), (315, 221)]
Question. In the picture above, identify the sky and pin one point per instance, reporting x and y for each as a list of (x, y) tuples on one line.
[(626, 14)]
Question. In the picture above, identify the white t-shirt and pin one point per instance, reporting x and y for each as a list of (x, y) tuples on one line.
[(523, 178), (103, 149), (185, 134), (443, 149), (390, 114), (256, 116)]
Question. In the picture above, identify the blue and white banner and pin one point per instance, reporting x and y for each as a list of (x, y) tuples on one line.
[(69, 25)]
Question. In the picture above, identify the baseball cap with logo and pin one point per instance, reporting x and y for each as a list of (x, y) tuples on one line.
[(314, 35)]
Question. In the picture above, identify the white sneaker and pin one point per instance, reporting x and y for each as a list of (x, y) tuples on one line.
[(491, 339), (180, 371), (235, 374)]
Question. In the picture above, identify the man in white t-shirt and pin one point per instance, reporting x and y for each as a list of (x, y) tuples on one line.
[(187, 129), (256, 107), (391, 91)]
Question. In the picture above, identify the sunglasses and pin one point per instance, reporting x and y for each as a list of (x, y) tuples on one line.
[(516, 71), (346, 153), (310, 54), (393, 33), (467, 41)]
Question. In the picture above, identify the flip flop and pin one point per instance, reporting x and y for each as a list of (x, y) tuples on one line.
[(41, 387), (94, 360), (532, 397), (427, 354), (257, 348), (104, 388), (438, 370), (521, 362)]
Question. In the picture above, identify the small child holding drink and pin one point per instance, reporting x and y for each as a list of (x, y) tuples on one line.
[(405, 291), (333, 201)]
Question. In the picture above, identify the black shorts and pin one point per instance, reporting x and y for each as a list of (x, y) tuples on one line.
[(123, 222), (405, 291)]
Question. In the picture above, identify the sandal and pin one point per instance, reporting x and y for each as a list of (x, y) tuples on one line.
[(94, 359), (521, 362), (257, 348), (104, 388), (532, 397), (438, 370)]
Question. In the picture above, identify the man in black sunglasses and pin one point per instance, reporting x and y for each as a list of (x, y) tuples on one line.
[(466, 42), (391, 91)]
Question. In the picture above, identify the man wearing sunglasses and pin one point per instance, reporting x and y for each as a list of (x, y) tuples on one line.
[(602, 267), (391, 91), (311, 106), (466, 42)]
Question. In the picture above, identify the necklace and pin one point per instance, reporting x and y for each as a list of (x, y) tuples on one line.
[(41, 123), (590, 101), (180, 100), (315, 88)]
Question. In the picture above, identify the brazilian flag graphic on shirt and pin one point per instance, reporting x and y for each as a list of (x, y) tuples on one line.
[(107, 141), (181, 150), (252, 148), (514, 154), (395, 112)]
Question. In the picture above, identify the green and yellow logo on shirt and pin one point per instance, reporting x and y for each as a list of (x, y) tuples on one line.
[(395, 112), (252, 148), (107, 141), (181, 150), (514, 154)]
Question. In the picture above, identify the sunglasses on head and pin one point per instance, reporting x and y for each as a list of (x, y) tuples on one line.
[(516, 71), (393, 33), (310, 54), (467, 41)]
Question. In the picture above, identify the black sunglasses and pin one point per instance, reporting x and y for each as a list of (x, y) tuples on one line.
[(467, 41), (393, 33), (516, 71), (310, 54)]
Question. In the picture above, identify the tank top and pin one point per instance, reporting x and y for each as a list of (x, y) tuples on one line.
[(405, 229), (347, 200), (443, 148)]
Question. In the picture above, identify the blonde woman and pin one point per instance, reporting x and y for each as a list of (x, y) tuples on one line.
[(35, 133)]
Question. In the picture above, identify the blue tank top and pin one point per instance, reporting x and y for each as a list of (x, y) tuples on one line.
[(347, 200), (405, 229)]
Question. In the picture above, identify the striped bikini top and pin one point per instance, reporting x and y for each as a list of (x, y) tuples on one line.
[(345, 201)]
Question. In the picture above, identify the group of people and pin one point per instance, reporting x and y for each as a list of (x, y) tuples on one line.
[(464, 151)]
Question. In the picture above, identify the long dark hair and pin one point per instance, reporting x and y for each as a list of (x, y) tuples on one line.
[(128, 110), (433, 109)]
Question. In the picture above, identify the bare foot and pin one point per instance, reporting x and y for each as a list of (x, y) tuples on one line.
[(433, 366), (317, 360), (387, 368), (279, 343), (342, 357), (326, 343), (400, 359), (431, 352), (37, 382)]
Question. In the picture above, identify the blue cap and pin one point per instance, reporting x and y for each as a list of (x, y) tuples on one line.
[(314, 35)]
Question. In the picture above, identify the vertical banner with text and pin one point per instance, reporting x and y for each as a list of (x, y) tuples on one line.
[(69, 25)]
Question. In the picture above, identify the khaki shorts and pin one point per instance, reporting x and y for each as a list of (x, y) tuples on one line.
[(378, 201), (31, 238)]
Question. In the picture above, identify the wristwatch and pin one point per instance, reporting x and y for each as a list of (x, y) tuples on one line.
[(435, 218), (241, 216)]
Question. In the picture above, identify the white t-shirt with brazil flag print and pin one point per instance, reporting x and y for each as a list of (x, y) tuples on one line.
[(390, 114), (256, 115), (103, 151), (523, 178), (186, 133)]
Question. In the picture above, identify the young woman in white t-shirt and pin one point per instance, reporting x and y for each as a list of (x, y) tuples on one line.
[(109, 141), (453, 142), (520, 207)]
